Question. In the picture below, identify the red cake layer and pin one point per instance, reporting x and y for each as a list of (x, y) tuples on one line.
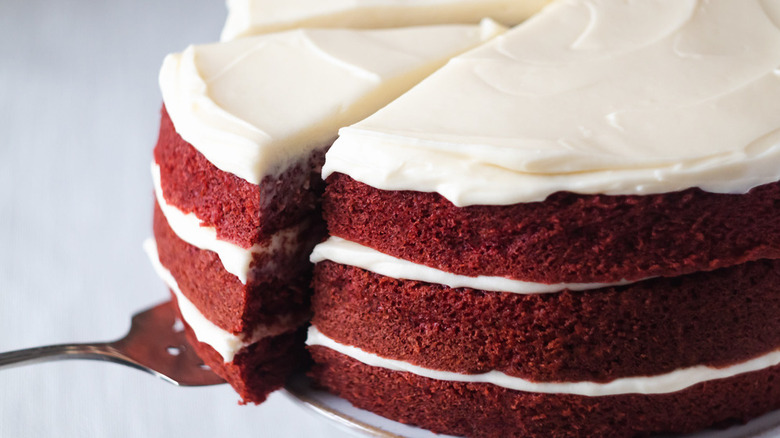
[(646, 328), (259, 369), (567, 238), (221, 297), (242, 212), (484, 410)]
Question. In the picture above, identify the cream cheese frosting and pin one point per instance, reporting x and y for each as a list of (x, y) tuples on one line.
[(236, 259), (349, 253), (251, 17), (254, 106), (222, 341), (658, 384), (588, 96)]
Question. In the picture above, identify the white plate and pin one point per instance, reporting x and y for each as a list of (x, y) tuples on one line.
[(365, 424)]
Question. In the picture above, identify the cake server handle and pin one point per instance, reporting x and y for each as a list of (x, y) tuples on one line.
[(155, 344), (57, 352)]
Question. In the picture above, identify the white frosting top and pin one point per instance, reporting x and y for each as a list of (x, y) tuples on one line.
[(256, 105), (251, 17), (588, 96), (225, 343), (349, 253), (236, 259), (658, 384)]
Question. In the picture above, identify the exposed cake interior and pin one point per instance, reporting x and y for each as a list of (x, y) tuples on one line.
[(236, 173)]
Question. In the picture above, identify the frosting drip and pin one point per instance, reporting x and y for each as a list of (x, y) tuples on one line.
[(349, 253), (252, 106), (658, 384), (250, 17), (588, 96)]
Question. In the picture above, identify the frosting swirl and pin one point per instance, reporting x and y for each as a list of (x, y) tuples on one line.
[(256, 105), (588, 96), (252, 17)]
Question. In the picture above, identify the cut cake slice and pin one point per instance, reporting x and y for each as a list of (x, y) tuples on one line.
[(245, 126)]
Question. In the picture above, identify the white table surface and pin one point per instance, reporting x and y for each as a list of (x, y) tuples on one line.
[(79, 113)]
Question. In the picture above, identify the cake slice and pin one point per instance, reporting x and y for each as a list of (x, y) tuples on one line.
[(572, 230), (252, 17), (244, 129)]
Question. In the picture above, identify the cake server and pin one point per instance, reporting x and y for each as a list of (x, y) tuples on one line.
[(155, 344)]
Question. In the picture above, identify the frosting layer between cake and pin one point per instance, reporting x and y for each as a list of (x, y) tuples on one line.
[(488, 411), (227, 100), (588, 97), (236, 259), (222, 341), (248, 17), (659, 384), (349, 253)]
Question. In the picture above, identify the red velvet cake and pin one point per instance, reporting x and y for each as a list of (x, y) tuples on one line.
[(237, 177), (571, 231)]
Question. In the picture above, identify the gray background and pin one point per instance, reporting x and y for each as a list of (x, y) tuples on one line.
[(79, 109)]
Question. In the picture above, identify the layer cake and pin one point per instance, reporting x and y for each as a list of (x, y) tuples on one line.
[(569, 231)]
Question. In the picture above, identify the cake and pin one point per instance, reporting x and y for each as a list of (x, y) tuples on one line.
[(572, 230), (244, 128), (251, 17)]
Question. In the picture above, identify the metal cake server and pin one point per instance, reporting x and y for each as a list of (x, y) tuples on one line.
[(155, 344)]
